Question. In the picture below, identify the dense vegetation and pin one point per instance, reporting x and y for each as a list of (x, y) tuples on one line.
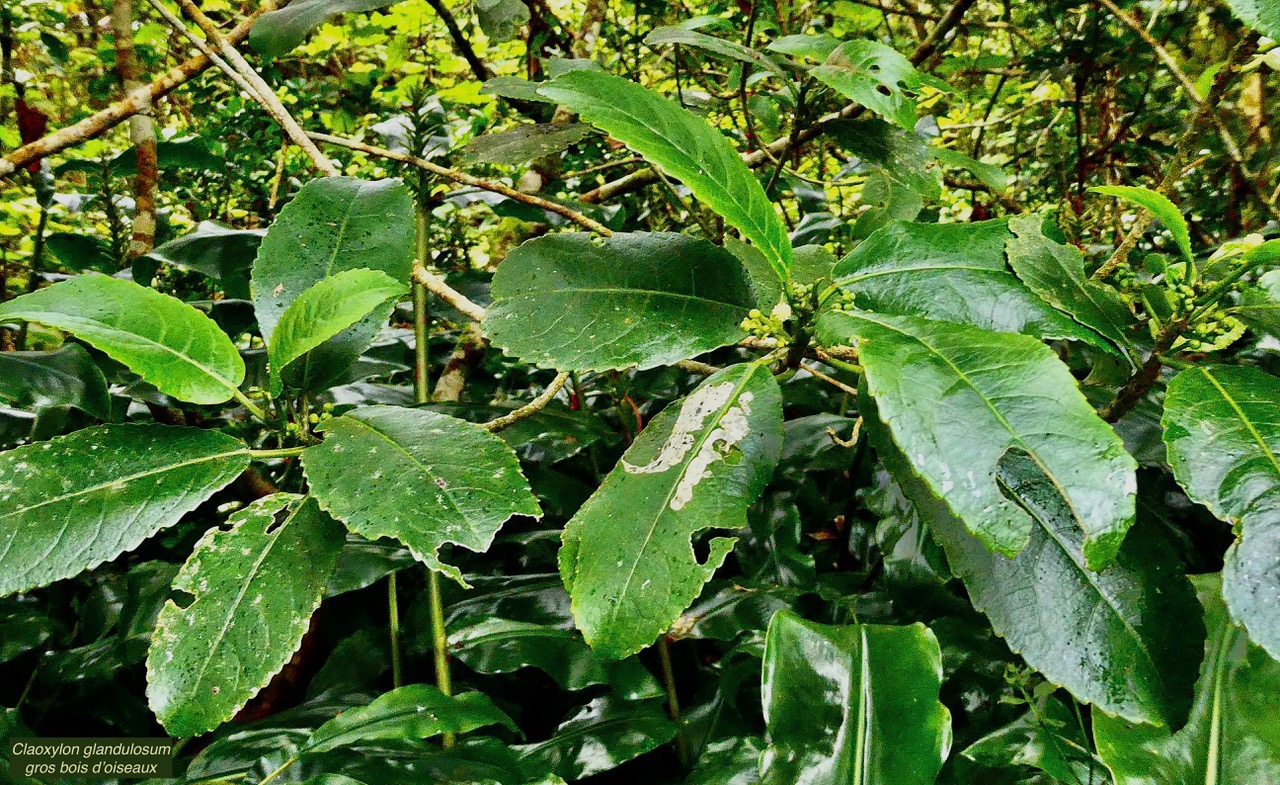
[(518, 391)]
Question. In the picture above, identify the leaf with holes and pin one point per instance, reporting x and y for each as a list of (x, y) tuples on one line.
[(644, 299), (958, 399), (683, 146), (878, 719), (628, 558), (1222, 430), (72, 503), (419, 477), (255, 587), (876, 76), (171, 345)]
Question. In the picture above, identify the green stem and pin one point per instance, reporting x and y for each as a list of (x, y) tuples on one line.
[(673, 701), (283, 452), (393, 612), (279, 770), (439, 642), (247, 403)]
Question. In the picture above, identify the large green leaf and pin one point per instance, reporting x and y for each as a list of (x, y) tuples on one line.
[(415, 711), (719, 46), (958, 399), (323, 311), (1049, 737), (66, 377), (684, 146), (419, 477), (255, 587), (1158, 205), (333, 224), (72, 503), (1261, 15), (1125, 638), (852, 705), (1056, 273), (497, 645), (628, 558), (218, 252), (168, 343), (950, 272), (278, 32), (603, 735), (1232, 735), (644, 299), (1222, 430), (876, 76)]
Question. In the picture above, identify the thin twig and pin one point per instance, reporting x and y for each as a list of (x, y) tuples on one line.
[(830, 380), (263, 93), (460, 42), (532, 407), (466, 179), (437, 286)]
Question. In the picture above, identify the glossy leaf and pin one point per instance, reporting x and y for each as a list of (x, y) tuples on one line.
[(218, 252), (333, 224), (1056, 273), (876, 76), (602, 735), (255, 587), (1104, 635), (323, 311), (1049, 738), (415, 711), (1222, 430), (76, 501), (950, 272), (171, 345), (66, 377), (1231, 735), (958, 399), (628, 558), (1159, 205), (685, 147), (854, 704), (278, 32), (419, 477), (646, 299)]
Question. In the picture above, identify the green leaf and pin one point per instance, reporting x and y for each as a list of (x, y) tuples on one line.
[(1159, 205), (898, 153), (497, 645), (950, 272), (875, 76), (628, 558), (415, 711), (419, 477), (526, 142), (72, 503), (1223, 438), (958, 399), (323, 311), (719, 46), (854, 704), (218, 252), (501, 19), (646, 299), (82, 252), (278, 32), (603, 735), (1261, 15), (989, 175), (1048, 737), (685, 147), (1104, 635), (168, 343), (332, 225), (1056, 273), (255, 587), (1231, 736), (66, 377)]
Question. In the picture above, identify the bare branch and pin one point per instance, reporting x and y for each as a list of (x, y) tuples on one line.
[(532, 407)]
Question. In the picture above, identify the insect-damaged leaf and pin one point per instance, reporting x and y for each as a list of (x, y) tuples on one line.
[(1103, 635), (333, 224), (957, 399), (643, 299), (255, 587), (72, 503), (877, 77), (168, 343), (628, 558), (878, 721), (1222, 429), (685, 147), (419, 477)]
